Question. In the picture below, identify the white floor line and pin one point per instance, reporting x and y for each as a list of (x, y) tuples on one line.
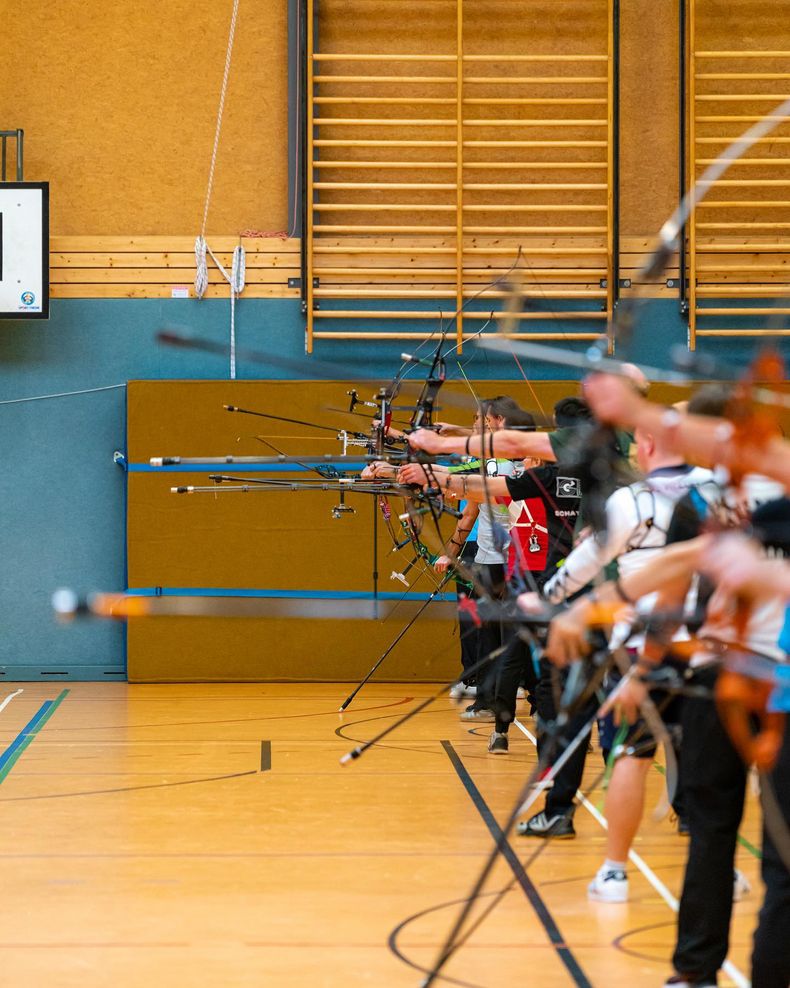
[(9, 698), (728, 967)]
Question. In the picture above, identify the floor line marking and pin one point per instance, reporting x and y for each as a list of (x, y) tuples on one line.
[(14, 751), (555, 937), (9, 698), (737, 976)]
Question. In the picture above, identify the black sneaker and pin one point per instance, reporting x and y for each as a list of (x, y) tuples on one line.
[(497, 744), (687, 981), (560, 827)]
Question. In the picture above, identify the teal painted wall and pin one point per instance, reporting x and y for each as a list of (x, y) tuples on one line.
[(63, 496)]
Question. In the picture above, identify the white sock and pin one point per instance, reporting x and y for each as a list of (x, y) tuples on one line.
[(610, 865)]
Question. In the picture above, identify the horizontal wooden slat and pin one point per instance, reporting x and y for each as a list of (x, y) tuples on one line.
[(751, 311), (355, 335), (175, 243), (164, 291), (96, 276)]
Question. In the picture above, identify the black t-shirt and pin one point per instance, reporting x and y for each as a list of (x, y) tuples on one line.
[(552, 502)]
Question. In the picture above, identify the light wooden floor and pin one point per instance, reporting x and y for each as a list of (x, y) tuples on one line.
[(142, 845)]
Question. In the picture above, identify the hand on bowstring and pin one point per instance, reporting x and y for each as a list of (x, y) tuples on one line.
[(630, 699), (735, 563), (414, 474), (427, 440), (531, 603), (379, 470), (612, 398), (443, 563), (449, 429), (568, 639)]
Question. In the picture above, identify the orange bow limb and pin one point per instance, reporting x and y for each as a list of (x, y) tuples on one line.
[(740, 700)]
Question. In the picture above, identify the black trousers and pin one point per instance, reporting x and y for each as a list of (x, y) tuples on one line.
[(714, 784), (559, 799), (514, 668), (467, 629), (490, 634)]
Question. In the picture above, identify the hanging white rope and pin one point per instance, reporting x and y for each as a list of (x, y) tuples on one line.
[(236, 278)]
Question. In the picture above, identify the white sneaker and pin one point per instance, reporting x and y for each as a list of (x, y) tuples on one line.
[(608, 885), (521, 693), (741, 886), (478, 716), (460, 690)]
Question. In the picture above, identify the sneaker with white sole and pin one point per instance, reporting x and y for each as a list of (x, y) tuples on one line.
[(460, 690), (497, 744), (478, 716), (559, 827), (609, 885), (741, 886)]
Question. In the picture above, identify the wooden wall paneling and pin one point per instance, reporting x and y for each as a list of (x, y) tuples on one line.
[(119, 109)]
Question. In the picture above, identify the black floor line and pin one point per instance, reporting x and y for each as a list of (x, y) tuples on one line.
[(564, 952)]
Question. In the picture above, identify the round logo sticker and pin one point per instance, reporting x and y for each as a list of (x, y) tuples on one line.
[(28, 298)]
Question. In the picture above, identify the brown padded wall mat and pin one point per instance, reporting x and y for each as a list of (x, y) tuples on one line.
[(270, 540)]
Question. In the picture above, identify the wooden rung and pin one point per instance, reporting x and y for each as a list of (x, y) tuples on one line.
[(743, 203), (554, 230), (351, 335), (345, 228), (743, 226), (376, 122), (743, 332), (753, 183), (742, 75), (542, 316), (730, 139), (741, 97), (375, 314), (338, 57), (559, 80), (534, 186), (739, 291), (334, 143), (386, 100), (536, 101), (745, 161), (505, 230), (535, 144), (367, 335), (535, 58), (592, 122), (367, 270), (319, 248), (421, 79), (536, 208), (740, 268), (365, 291), (744, 248), (739, 119), (771, 311), (422, 314), (384, 186), (531, 251), (320, 163), (327, 207), (548, 165), (742, 54), (548, 292), (572, 273)]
